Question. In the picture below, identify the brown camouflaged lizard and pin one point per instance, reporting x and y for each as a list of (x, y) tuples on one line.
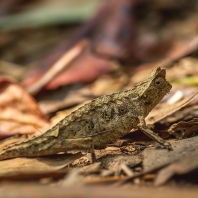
[(99, 122)]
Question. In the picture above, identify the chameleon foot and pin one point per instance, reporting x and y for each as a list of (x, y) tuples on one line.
[(168, 146), (152, 135)]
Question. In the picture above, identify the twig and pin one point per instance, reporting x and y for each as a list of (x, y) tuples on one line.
[(58, 66), (127, 170)]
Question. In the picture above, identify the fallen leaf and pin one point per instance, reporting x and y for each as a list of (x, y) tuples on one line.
[(112, 162), (184, 129), (164, 110), (19, 112), (84, 69), (63, 62), (154, 158), (35, 167), (64, 99), (180, 167)]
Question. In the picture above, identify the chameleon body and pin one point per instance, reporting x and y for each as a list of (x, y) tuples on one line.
[(102, 121)]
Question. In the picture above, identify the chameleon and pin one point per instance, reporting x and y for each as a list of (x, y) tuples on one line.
[(99, 122)]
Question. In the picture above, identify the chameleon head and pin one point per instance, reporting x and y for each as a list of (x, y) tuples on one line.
[(154, 88)]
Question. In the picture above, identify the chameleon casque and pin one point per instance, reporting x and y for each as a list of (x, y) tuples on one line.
[(102, 121)]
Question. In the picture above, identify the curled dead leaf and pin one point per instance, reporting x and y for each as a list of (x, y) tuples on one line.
[(184, 129), (19, 112)]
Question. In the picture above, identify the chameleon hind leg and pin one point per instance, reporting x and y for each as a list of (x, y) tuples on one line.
[(80, 144), (144, 128)]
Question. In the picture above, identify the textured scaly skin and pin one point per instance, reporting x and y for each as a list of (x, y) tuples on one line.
[(97, 123)]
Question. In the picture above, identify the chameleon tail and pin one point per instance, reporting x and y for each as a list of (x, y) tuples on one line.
[(29, 148)]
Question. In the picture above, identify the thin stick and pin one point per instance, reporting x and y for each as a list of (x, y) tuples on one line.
[(127, 170), (59, 66)]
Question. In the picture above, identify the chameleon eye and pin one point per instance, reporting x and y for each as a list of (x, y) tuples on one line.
[(160, 82)]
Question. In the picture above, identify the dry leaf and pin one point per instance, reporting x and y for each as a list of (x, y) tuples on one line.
[(84, 69), (19, 113), (180, 167), (164, 110), (58, 67), (19, 167), (182, 148), (184, 129), (64, 99)]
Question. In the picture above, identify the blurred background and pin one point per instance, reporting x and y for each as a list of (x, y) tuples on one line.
[(57, 55), (142, 31)]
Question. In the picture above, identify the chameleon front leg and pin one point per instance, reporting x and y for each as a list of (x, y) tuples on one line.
[(144, 128)]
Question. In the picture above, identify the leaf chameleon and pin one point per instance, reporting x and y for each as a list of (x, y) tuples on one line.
[(102, 121)]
